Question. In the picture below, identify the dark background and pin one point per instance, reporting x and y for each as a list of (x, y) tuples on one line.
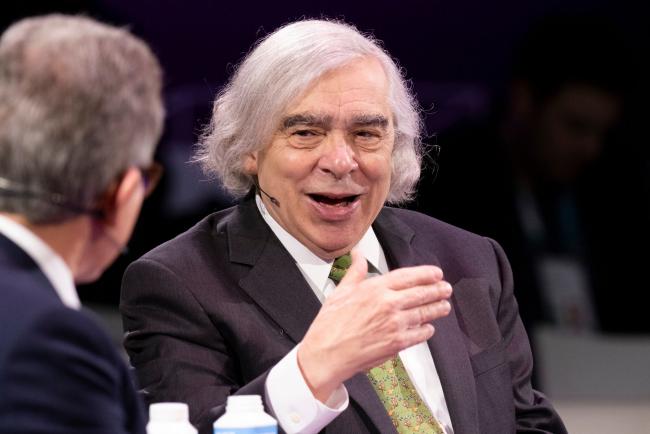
[(457, 54)]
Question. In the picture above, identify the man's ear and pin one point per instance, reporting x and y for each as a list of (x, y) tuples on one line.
[(250, 163), (120, 193)]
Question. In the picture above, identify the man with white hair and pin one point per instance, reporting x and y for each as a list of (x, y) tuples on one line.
[(80, 115), (317, 131)]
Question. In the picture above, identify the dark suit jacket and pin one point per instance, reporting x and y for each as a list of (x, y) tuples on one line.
[(209, 313), (59, 371)]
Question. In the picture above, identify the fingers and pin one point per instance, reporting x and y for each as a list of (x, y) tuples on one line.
[(422, 295), (408, 338), (414, 336), (409, 277), (358, 269), (426, 313)]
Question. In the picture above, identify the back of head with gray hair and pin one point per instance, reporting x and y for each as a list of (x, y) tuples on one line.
[(80, 102), (279, 69)]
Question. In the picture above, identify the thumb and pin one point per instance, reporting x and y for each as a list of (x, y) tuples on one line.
[(358, 269)]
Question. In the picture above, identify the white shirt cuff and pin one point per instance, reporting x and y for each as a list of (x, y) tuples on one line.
[(294, 406)]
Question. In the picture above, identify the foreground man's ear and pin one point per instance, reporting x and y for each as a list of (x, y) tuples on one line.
[(120, 193)]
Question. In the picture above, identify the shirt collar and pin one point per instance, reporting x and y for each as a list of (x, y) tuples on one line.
[(316, 269), (50, 263)]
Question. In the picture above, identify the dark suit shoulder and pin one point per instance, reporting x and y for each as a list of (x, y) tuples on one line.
[(55, 322), (459, 252), (63, 363), (197, 259), (177, 252), (213, 244), (418, 221), (428, 229), (27, 296)]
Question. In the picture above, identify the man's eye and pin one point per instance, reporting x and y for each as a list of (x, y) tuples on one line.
[(368, 134), (305, 138), (365, 137), (304, 133)]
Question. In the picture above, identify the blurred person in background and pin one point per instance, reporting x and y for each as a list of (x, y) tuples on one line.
[(80, 116), (548, 177)]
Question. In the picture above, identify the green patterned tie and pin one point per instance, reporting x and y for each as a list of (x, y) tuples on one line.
[(339, 267), (392, 383)]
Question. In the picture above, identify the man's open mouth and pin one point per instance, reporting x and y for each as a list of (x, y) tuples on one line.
[(334, 200)]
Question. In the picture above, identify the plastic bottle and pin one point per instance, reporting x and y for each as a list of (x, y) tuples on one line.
[(245, 415), (169, 418)]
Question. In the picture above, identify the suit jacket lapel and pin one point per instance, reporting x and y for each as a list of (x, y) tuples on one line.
[(456, 374), (447, 344), (362, 392), (274, 282)]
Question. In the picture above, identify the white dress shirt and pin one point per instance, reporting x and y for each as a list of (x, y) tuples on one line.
[(295, 407), (50, 263)]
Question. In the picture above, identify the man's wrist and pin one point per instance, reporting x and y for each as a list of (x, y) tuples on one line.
[(321, 377), (294, 405)]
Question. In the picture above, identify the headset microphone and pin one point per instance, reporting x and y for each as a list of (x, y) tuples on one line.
[(273, 200)]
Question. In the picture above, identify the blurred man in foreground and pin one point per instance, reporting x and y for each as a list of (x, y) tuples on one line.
[(80, 115), (317, 130)]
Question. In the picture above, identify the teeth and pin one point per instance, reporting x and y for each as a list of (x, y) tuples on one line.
[(343, 201)]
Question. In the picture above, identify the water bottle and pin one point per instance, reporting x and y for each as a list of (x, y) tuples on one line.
[(245, 415), (169, 418)]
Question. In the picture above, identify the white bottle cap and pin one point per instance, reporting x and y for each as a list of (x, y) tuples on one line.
[(169, 412), (244, 403)]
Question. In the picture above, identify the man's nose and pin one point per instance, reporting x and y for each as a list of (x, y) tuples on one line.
[(338, 157)]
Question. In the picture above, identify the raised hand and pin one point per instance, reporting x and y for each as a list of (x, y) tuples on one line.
[(368, 320)]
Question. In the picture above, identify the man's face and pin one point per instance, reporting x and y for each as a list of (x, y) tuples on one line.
[(571, 128), (329, 162)]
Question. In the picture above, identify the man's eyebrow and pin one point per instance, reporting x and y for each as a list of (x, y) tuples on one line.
[(370, 121), (307, 119), (324, 121)]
